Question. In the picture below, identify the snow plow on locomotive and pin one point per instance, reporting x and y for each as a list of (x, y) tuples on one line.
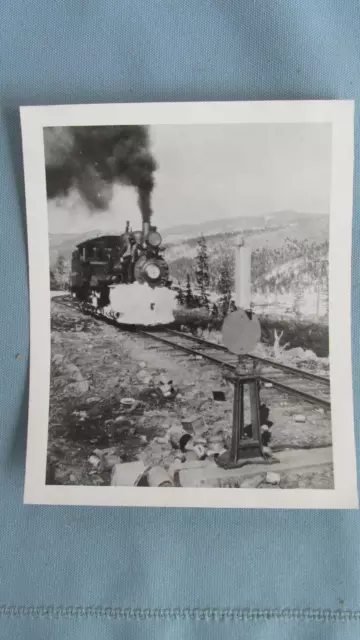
[(100, 263)]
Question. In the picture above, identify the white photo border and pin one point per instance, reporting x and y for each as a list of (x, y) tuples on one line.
[(338, 113)]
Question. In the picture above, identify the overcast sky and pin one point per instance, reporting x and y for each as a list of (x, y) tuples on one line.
[(209, 172)]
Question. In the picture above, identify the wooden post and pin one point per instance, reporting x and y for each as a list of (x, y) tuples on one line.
[(242, 275)]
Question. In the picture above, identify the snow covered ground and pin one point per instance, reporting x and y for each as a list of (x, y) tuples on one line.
[(310, 304)]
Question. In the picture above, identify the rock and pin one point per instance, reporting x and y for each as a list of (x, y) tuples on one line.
[(93, 399), (121, 421), (217, 430), (104, 452), (252, 483), (196, 424), (143, 439), (78, 387), (137, 408), (164, 379), (219, 439), (162, 440), (80, 414), (107, 462), (142, 365), (300, 418), (127, 474), (272, 478), (94, 461), (291, 480)]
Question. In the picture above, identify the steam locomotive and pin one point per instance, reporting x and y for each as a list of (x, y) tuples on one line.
[(105, 261)]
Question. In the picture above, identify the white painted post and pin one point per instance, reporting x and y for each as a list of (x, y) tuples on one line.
[(242, 275)]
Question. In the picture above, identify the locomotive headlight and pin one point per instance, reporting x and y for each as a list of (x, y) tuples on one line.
[(154, 239), (152, 271)]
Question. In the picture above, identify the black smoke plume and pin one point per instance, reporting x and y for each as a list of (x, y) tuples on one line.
[(92, 159)]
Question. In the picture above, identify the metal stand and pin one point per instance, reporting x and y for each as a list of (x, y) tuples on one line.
[(244, 450)]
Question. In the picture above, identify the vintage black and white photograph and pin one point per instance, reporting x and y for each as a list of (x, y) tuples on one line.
[(192, 287)]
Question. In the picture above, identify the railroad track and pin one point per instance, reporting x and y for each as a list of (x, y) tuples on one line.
[(302, 384)]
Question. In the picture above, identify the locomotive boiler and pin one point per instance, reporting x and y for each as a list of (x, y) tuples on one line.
[(103, 262)]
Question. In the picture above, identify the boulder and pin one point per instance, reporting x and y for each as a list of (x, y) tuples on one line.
[(94, 461), (127, 474), (300, 418), (252, 482), (272, 478)]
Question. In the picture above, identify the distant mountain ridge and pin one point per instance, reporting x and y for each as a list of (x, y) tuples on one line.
[(272, 228), (239, 223)]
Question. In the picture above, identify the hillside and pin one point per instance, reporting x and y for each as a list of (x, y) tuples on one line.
[(270, 230), (289, 258)]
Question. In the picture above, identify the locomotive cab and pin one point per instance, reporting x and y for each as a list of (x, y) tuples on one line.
[(102, 262)]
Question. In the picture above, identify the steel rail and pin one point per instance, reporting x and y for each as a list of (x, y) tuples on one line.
[(317, 400), (275, 383), (273, 363)]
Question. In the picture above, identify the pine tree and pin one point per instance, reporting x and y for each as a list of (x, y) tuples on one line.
[(189, 297), (53, 282), (61, 270), (180, 297), (202, 272), (224, 287), (214, 312)]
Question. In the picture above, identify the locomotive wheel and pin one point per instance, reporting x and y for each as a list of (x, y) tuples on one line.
[(82, 293), (104, 300)]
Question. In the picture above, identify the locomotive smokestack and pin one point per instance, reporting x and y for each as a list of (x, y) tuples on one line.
[(145, 228), (144, 199)]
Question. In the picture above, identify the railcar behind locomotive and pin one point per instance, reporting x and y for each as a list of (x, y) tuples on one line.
[(102, 262)]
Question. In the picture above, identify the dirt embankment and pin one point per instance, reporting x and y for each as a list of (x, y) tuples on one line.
[(94, 366)]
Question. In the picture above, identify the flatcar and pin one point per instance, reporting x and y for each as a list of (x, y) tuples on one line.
[(102, 262)]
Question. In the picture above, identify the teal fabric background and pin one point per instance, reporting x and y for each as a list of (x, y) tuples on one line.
[(95, 573)]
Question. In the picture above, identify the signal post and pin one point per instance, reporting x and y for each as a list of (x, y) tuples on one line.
[(241, 333)]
